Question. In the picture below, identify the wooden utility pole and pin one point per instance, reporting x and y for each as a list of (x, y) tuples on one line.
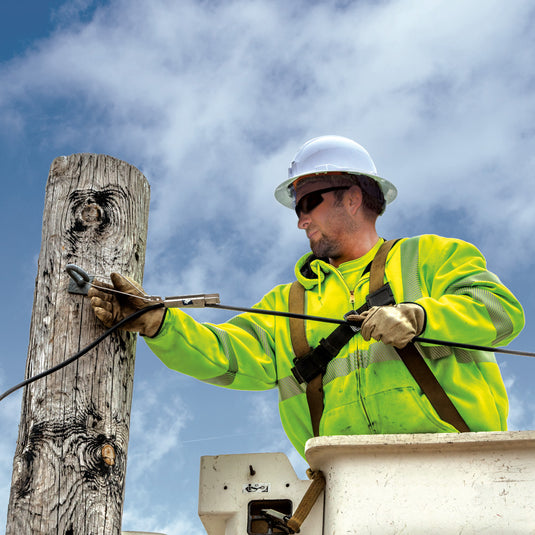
[(70, 461)]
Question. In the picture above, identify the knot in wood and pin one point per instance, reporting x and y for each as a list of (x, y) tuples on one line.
[(92, 213), (108, 454)]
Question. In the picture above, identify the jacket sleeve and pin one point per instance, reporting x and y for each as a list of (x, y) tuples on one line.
[(465, 302), (238, 354)]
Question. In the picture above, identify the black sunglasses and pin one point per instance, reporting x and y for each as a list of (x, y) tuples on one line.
[(313, 199)]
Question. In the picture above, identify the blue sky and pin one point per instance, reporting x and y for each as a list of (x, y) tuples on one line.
[(210, 100)]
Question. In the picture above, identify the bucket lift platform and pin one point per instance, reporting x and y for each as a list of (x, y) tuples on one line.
[(381, 484)]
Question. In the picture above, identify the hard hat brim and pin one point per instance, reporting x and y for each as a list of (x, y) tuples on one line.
[(284, 195)]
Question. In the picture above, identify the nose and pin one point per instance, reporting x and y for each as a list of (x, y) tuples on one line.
[(303, 221)]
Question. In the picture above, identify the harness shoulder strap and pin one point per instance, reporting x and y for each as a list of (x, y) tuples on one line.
[(430, 386), (409, 355), (377, 269), (301, 347), (314, 390), (296, 305)]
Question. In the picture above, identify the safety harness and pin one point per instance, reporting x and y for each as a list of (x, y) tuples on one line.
[(310, 364)]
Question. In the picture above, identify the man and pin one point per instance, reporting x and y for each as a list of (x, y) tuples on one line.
[(441, 288)]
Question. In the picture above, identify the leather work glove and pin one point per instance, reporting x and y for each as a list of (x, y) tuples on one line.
[(394, 325), (111, 308)]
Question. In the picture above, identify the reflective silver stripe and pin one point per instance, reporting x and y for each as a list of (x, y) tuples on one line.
[(340, 367), (464, 356), (409, 251), (289, 387), (222, 380), (434, 352), (381, 353), (228, 377), (344, 366), (499, 317), (259, 334)]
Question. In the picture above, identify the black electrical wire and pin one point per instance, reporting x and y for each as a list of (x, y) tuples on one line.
[(255, 311), (472, 347), (322, 319), (81, 352)]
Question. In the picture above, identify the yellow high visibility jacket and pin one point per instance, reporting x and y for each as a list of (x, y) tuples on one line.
[(367, 388)]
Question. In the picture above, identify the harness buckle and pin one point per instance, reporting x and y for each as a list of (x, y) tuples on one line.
[(381, 297), (314, 362)]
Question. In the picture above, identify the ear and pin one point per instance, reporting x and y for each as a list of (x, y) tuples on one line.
[(354, 199)]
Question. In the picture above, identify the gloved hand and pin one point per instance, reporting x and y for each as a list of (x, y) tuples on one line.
[(394, 325), (110, 307)]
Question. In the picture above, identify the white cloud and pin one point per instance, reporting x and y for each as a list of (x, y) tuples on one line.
[(212, 99), (206, 94), (521, 406), (156, 428)]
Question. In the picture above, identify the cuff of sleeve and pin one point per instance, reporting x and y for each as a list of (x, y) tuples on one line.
[(425, 316), (160, 326)]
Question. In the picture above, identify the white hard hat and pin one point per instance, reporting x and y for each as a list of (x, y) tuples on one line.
[(328, 154)]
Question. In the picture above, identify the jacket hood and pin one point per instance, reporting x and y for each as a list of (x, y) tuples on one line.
[(311, 270)]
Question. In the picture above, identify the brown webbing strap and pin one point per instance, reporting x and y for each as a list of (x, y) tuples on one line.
[(314, 391), (430, 386), (315, 402), (413, 359), (377, 270), (296, 305), (307, 501), (409, 355)]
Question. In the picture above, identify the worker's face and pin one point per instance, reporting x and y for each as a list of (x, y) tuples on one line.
[(326, 226)]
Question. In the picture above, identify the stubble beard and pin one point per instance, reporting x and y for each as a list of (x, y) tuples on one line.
[(331, 244), (325, 247)]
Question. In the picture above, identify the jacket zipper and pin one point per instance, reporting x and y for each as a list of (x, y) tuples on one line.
[(360, 364)]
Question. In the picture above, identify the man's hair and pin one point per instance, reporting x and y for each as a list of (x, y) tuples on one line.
[(372, 196)]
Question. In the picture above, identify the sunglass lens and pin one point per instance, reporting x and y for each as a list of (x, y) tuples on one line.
[(308, 203)]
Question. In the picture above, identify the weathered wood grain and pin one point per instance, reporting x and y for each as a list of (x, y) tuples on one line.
[(70, 461)]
